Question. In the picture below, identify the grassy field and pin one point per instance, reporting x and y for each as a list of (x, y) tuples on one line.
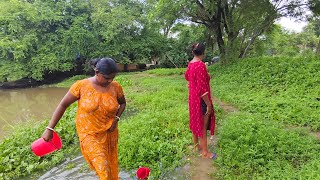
[(269, 138), (279, 104)]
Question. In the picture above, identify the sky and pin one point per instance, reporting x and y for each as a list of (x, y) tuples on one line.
[(291, 24)]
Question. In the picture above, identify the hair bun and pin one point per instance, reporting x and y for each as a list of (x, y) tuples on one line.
[(93, 62), (198, 49)]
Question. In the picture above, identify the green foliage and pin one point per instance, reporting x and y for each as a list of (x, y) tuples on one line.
[(281, 42), (16, 157), (314, 6), (30, 39), (178, 50), (45, 37), (153, 131), (256, 143), (283, 89), (255, 147), (167, 72), (273, 94), (166, 14), (70, 81), (157, 135)]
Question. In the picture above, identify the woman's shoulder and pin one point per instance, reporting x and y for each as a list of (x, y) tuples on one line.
[(196, 64), (115, 83), (80, 83)]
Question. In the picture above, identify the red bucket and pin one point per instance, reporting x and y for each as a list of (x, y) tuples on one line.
[(42, 148)]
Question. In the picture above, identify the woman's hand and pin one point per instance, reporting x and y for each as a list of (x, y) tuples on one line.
[(113, 125), (209, 110), (47, 135)]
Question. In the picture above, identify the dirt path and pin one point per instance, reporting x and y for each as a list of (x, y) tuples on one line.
[(202, 169), (226, 107)]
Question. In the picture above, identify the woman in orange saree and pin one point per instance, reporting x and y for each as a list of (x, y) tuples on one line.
[(101, 102)]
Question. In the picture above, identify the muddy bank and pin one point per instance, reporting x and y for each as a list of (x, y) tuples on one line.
[(29, 82), (56, 77)]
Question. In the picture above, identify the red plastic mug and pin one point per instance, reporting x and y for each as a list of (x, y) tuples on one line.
[(41, 148)]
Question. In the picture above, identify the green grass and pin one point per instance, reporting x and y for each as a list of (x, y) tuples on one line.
[(283, 89), (268, 139), (70, 81), (154, 129), (253, 147), (279, 101), (157, 136), (16, 158), (166, 72)]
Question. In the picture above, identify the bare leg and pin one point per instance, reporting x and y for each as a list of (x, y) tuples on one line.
[(203, 140), (196, 143)]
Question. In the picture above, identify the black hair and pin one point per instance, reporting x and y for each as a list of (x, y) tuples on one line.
[(104, 65), (198, 48)]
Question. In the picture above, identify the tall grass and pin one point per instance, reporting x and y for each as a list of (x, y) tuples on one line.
[(273, 95)]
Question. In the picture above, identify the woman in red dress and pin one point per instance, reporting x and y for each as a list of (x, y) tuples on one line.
[(201, 110)]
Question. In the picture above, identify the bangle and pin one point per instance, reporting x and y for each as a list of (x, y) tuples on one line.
[(49, 128), (118, 118)]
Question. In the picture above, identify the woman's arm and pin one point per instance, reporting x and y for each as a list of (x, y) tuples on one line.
[(122, 102), (66, 101), (206, 99)]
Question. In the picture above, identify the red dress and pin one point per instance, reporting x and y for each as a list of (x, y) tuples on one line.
[(199, 84)]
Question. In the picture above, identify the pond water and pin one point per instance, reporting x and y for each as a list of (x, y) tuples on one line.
[(21, 105), (73, 169)]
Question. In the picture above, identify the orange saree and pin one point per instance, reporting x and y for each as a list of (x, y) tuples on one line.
[(95, 114)]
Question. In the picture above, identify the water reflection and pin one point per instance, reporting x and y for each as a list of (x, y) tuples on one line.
[(21, 105), (77, 172)]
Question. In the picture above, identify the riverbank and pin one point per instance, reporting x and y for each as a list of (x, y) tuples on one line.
[(153, 130), (29, 82)]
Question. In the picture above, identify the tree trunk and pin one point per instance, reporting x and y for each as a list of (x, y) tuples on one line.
[(244, 52), (220, 41), (219, 31), (318, 48)]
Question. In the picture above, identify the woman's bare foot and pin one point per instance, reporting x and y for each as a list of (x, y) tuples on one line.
[(197, 148), (212, 137), (209, 155)]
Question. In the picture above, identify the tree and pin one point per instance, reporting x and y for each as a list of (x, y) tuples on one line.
[(314, 6), (314, 26), (165, 14), (236, 24), (178, 50), (33, 34)]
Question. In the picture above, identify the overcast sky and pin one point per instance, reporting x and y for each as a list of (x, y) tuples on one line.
[(291, 24)]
